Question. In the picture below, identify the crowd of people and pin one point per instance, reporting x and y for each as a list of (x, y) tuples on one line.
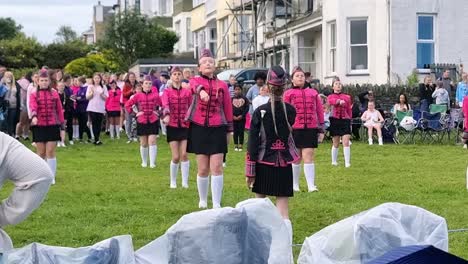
[(199, 115)]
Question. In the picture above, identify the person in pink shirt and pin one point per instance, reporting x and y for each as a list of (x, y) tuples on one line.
[(307, 128), (113, 109), (210, 117), (465, 113), (340, 122), (176, 101), (46, 120), (146, 105)]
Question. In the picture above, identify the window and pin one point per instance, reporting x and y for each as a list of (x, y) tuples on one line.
[(197, 46), (306, 52), (189, 33), (225, 37), (283, 8), (426, 41), (213, 41), (177, 31), (358, 44), (244, 35), (197, 2), (306, 6), (332, 47), (162, 7)]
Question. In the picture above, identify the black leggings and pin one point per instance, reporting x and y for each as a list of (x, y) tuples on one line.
[(69, 125), (83, 125), (239, 127), (96, 121)]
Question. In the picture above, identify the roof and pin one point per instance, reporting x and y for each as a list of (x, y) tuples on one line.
[(90, 31), (170, 60)]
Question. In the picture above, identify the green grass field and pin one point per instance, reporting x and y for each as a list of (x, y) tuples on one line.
[(103, 192)]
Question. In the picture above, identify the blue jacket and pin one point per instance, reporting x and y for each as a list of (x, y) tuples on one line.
[(462, 91)]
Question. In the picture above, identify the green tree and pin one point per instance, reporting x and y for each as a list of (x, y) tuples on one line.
[(21, 52), (58, 55), (90, 64), (66, 34), (134, 36), (8, 28)]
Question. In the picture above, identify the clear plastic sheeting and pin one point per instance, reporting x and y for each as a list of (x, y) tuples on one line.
[(116, 250), (370, 234), (253, 232)]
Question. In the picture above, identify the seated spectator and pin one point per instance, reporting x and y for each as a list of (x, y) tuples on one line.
[(365, 97), (373, 119), (402, 104), (441, 95), (262, 98)]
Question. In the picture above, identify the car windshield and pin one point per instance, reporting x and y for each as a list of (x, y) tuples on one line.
[(224, 76)]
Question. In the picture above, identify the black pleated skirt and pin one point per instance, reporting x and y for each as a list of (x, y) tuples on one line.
[(43, 134), (205, 140), (147, 129), (305, 138), (176, 133), (339, 127), (273, 181)]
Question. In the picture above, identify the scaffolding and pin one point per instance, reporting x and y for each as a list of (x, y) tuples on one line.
[(258, 10)]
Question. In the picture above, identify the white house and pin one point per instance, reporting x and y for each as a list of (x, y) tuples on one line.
[(362, 41)]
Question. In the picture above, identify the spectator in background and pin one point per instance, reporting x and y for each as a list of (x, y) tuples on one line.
[(186, 77), (127, 92), (232, 84), (155, 79), (22, 128), (13, 103), (373, 120), (465, 112), (425, 94), (365, 98), (163, 78), (308, 80), (263, 97), (402, 104), (3, 69), (356, 126), (254, 91), (447, 82), (441, 95), (462, 90), (240, 108)]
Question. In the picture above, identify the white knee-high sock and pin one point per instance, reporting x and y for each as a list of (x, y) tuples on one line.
[(202, 184), (288, 224), (217, 183), (347, 156), (117, 131), (185, 168), (91, 130), (76, 131), (174, 171), (144, 156), (53, 167), (153, 152), (112, 131), (334, 155), (296, 168), (309, 171)]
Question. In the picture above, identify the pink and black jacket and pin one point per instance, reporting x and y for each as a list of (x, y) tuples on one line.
[(146, 102), (176, 103), (341, 111), (113, 101), (46, 106), (309, 109), (217, 111), (265, 146)]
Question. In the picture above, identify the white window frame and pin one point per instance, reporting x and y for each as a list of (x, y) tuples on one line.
[(351, 71), (189, 33), (332, 60), (307, 65), (197, 2), (433, 41), (224, 38)]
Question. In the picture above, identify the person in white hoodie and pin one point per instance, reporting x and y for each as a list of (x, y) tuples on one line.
[(32, 180)]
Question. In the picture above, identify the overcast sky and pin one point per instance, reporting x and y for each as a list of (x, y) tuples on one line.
[(42, 18)]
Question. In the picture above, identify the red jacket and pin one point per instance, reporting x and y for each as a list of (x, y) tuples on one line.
[(309, 109), (127, 92), (217, 111), (113, 101), (176, 103), (341, 111), (146, 102), (45, 105)]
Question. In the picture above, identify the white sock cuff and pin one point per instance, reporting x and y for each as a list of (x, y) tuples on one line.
[(296, 165)]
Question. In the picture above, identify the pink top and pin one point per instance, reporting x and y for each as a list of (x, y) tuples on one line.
[(176, 103), (309, 109), (465, 112), (113, 101), (46, 106), (146, 102), (340, 111)]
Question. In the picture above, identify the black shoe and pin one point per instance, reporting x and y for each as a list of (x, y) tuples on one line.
[(17, 138), (97, 143), (26, 138)]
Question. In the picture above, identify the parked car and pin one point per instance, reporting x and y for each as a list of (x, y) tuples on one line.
[(243, 76)]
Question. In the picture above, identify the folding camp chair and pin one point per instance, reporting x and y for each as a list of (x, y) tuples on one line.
[(438, 108), (404, 131), (455, 124), (433, 127)]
